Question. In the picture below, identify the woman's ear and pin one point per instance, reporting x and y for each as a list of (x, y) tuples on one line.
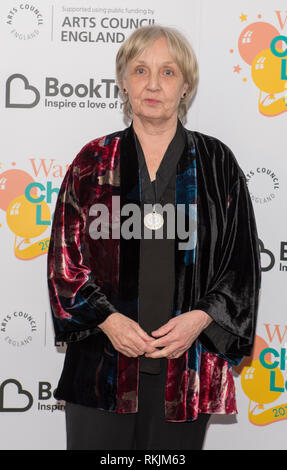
[(185, 89), (125, 88)]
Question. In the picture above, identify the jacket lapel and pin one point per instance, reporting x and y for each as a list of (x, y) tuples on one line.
[(128, 367), (129, 194), (177, 381)]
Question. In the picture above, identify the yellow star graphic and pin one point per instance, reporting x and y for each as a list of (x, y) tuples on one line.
[(243, 17)]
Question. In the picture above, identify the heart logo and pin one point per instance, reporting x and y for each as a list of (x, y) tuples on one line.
[(23, 399), (30, 91)]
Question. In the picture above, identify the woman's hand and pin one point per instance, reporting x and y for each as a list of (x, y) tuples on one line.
[(126, 335), (178, 334)]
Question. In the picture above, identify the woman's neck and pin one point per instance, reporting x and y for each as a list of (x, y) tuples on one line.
[(154, 134)]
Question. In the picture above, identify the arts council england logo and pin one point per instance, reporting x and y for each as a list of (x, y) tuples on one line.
[(24, 21)]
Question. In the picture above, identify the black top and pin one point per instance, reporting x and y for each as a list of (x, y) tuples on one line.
[(156, 270)]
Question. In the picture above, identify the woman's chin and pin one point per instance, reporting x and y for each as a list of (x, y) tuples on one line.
[(153, 114)]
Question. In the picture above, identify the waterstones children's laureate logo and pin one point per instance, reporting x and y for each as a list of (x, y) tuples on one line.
[(262, 377), (26, 203), (24, 20), (262, 45)]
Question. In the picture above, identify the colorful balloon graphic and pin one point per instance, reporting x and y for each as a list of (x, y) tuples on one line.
[(12, 184), (255, 38), (266, 72), (259, 345), (21, 217), (255, 381)]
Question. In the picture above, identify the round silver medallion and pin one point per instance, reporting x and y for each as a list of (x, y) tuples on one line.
[(153, 220)]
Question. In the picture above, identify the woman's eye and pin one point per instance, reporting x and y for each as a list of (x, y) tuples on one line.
[(140, 71), (168, 72)]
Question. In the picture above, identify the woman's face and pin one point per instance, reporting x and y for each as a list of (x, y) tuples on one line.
[(154, 83)]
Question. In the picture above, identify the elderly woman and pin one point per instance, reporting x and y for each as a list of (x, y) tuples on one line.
[(154, 318)]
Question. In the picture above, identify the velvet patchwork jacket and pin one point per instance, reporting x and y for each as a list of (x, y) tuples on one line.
[(88, 278)]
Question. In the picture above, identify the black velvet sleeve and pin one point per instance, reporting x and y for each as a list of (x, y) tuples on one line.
[(232, 299)]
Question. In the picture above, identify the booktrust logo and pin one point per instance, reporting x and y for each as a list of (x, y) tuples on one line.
[(14, 398), (28, 94), (19, 400), (93, 94), (268, 258)]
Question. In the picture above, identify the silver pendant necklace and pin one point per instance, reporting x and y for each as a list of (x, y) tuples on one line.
[(153, 220)]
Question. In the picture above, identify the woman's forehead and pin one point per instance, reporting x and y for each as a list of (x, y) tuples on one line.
[(157, 51)]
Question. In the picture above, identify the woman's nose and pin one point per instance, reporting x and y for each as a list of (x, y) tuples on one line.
[(153, 81)]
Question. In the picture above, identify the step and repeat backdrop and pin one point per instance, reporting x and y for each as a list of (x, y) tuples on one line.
[(58, 92)]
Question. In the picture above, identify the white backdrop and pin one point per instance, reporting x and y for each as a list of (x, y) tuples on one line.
[(58, 93)]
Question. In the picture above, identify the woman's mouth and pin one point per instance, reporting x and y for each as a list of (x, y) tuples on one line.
[(151, 101)]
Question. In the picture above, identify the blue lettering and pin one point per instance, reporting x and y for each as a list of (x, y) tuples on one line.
[(262, 358), (39, 220), (283, 359), (273, 44), (283, 69), (28, 195), (273, 387), (50, 191)]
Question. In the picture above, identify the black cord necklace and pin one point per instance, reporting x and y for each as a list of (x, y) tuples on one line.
[(152, 220)]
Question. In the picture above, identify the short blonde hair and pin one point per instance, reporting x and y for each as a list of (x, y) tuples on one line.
[(180, 49)]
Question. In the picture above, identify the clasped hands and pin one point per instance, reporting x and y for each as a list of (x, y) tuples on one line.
[(174, 337)]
